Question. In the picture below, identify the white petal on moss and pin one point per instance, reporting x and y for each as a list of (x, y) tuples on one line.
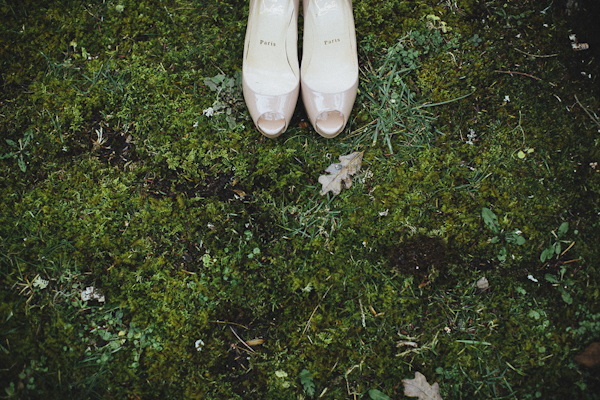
[(482, 283), (91, 293)]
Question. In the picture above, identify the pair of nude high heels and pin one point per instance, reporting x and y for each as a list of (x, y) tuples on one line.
[(272, 76)]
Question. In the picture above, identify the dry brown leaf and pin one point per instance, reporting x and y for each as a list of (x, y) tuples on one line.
[(240, 193), (590, 357), (340, 172), (419, 387)]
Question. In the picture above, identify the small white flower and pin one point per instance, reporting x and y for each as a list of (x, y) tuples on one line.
[(91, 293), (507, 98), (545, 25), (199, 343), (209, 112), (384, 213), (531, 278), (196, 123), (87, 294)]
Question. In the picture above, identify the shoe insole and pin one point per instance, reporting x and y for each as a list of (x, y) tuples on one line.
[(271, 59), (329, 62)]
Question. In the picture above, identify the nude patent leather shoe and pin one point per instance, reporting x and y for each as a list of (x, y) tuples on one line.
[(329, 72), (270, 70)]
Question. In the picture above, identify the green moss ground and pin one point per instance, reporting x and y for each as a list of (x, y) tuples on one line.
[(197, 229)]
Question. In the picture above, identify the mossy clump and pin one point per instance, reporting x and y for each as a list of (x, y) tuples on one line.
[(419, 255), (131, 169)]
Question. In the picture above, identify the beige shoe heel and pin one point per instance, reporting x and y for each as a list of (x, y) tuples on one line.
[(270, 70), (329, 72)]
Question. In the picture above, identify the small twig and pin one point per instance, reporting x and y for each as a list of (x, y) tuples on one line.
[(568, 248), (518, 73), (314, 311), (357, 131), (533, 55), (242, 349), (362, 313), (240, 339), (587, 112), (230, 323)]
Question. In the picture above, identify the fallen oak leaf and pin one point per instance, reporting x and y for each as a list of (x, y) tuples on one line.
[(590, 357), (340, 172), (419, 387)]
